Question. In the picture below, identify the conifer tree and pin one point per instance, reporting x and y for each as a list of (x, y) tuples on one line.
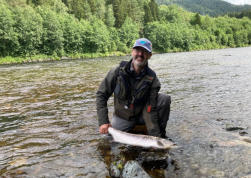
[(196, 20), (80, 8), (154, 9), (119, 8), (148, 14), (109, 16)]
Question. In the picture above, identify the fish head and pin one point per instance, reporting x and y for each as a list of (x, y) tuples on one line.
[(164, 144)]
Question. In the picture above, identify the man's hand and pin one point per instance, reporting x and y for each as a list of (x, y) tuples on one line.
[(103, 129)]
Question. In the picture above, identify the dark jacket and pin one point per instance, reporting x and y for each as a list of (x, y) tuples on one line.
[(132, 94)]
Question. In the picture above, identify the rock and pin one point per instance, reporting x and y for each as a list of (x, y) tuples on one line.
[(116, 168), (232, 128), (247, 139), (219, 119), (114, 171), (153, 160), (211, 146), (133, 169), (242, 133)]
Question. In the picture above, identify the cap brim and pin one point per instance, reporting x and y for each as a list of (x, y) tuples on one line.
[(143, 47)]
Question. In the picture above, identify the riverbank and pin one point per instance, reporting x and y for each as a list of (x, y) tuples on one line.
[(44, 58)]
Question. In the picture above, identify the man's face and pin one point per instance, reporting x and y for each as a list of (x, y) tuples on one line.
[(140, 56)]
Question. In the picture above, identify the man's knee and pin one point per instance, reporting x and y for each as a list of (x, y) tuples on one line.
[(122, 124), (163, 100)]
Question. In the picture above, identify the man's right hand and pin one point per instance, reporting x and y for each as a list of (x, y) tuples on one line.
[(103, 129)]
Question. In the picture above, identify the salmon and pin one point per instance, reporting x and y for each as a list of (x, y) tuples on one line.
[(140, 140)]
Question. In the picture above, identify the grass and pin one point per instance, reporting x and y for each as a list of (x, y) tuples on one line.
[(42, 57)]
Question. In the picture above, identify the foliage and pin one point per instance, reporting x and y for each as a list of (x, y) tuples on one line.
[(169, 36), (80, 8), (172, 13), (151, 12), (29, 29), (86, 28), (244, 13), (109, 16), (52, 36), (209, 7), (128, 33), (8, 37), (98, 36), (71, 33), (196, 20)]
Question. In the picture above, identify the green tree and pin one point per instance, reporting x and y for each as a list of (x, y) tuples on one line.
[(241, 38), (154, 9), (173, 13), (29, 29), (8, 37), (80, 8), (16, 3), (134, 10), (119, 8), (114, 39), (148, 14), (98, 37), (71, 34), (100, 9), (151, 11), (85, 29), (170, 36), (52, 36), (128, 32), (55, 5), (196, 20), (109, 16)]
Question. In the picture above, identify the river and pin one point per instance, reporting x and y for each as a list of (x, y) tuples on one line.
[(48, 121)]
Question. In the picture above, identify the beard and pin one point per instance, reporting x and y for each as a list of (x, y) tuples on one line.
[(140, 63)]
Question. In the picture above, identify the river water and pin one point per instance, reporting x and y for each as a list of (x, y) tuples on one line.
[(48, 121)]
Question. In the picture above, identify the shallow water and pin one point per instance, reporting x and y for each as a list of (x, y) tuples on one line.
[(48, 121)]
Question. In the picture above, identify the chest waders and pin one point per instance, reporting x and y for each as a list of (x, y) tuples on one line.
[(131, 97)]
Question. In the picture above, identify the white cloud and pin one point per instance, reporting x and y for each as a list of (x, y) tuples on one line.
[(239, 2)]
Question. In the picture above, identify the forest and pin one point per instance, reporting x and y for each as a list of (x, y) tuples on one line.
[(207, 7), (31, 29)]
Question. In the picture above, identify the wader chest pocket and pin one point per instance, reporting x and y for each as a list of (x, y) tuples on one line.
[(123, 111), (120, 90)]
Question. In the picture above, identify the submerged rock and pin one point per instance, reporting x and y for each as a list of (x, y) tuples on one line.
[(114, 171), (232, 128), (133, 169), (116, 168), (242, 133), (247, 139)]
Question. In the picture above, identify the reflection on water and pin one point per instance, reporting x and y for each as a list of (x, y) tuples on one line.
[(48, 122)]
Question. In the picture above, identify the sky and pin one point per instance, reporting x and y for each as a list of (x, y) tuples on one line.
[(239, 2)]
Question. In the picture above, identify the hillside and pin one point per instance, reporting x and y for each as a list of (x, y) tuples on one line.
[(210, 7), (45, 29)]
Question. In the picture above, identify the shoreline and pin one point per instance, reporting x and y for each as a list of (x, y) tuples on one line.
[(8, 60)]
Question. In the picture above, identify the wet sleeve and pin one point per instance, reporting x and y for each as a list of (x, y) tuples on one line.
[(104, 92), (155, 131)]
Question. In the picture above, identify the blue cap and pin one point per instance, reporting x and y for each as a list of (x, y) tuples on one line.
[(144, 43)]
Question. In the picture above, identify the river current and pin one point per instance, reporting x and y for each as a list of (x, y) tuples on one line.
[(49, 128)]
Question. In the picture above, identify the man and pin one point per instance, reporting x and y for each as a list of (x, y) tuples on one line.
[(136, 98)]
